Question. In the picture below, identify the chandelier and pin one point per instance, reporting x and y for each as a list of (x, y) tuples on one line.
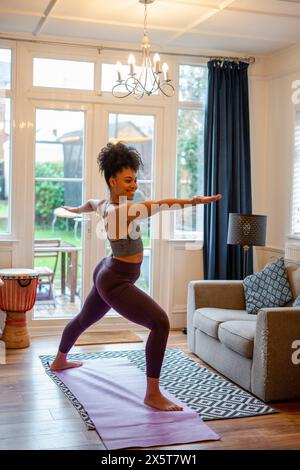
[(147, 79)]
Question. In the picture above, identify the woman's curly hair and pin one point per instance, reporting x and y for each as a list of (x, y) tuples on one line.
[(114, 157)]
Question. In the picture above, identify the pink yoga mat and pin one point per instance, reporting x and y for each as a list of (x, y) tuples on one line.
[(112, 392)]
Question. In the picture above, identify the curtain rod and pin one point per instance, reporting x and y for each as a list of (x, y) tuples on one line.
[(249, 60)]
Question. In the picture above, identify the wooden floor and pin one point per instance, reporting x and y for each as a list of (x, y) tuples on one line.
[(34, 414)]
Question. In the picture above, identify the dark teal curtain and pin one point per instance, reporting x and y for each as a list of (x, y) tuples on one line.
[(227, 168)]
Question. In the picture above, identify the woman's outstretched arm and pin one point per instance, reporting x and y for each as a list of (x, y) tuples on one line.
[(145, 209), (90, 206)]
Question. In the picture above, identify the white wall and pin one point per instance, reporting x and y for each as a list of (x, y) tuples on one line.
[(281, 69), (258, 100)]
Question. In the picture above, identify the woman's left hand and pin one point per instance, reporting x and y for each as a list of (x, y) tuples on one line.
[(206, 199), (72, 209)]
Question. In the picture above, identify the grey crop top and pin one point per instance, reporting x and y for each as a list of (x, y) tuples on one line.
[(125, 246)]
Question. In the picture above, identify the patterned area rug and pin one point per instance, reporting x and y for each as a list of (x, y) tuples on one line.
[(211, 396)]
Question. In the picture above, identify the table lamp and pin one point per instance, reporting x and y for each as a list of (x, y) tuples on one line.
[(246, 230)]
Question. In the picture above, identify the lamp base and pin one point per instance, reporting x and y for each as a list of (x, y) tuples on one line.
[(245, 260)]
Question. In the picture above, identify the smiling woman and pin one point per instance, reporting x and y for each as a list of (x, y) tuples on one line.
[(114, 277), (120, 164)]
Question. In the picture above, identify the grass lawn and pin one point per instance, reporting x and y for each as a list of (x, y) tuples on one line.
[(4, 209), (65, 236), (3, 216)]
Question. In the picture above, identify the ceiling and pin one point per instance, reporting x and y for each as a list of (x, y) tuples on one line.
[(241, 26)]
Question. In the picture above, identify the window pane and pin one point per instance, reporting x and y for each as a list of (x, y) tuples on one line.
[(5, 69), (63, 74), (192, 83), (52, 194), (59, 156), (189, 169), (59, 148), (53, 294), (5, 151), (136, 131)]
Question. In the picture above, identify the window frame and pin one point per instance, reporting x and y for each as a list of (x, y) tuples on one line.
[(11, 95), (53, 51)]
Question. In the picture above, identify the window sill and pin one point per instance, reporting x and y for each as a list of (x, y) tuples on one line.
[(184, 240), (8, 240), (293, 236), (189, 244)]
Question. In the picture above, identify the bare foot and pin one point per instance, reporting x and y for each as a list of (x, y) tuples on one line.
[(160, 402), (56, 365)]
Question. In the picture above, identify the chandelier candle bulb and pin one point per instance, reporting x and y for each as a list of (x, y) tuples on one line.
[(119, 71), (131, 63), (165, 69), (156, 60)]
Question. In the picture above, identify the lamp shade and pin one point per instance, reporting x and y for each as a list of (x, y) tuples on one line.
[(246, 229)]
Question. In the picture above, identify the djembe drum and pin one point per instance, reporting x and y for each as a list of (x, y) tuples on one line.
[(17, 296)]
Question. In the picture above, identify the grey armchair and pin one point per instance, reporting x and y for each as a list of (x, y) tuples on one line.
[(254, 351)]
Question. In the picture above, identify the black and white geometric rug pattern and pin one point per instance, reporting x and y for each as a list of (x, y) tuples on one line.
[(211, 396)]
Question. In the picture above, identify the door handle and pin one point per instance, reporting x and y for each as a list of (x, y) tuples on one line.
[(88, 227)]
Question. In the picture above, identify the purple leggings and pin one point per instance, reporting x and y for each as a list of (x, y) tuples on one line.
[(114, 287)]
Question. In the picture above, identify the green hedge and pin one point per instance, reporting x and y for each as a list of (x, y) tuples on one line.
[(49, 194)]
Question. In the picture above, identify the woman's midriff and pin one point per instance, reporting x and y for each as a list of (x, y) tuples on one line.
[(137, 258)]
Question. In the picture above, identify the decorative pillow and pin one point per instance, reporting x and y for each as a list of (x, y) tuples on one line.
[(267, 288), (296, 302)]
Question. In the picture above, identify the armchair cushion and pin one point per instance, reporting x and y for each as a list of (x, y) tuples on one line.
[(208, 320), (267, 288), (238, 336)]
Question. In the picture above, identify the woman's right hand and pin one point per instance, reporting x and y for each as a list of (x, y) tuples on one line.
[(75, 210), (206, 199)]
